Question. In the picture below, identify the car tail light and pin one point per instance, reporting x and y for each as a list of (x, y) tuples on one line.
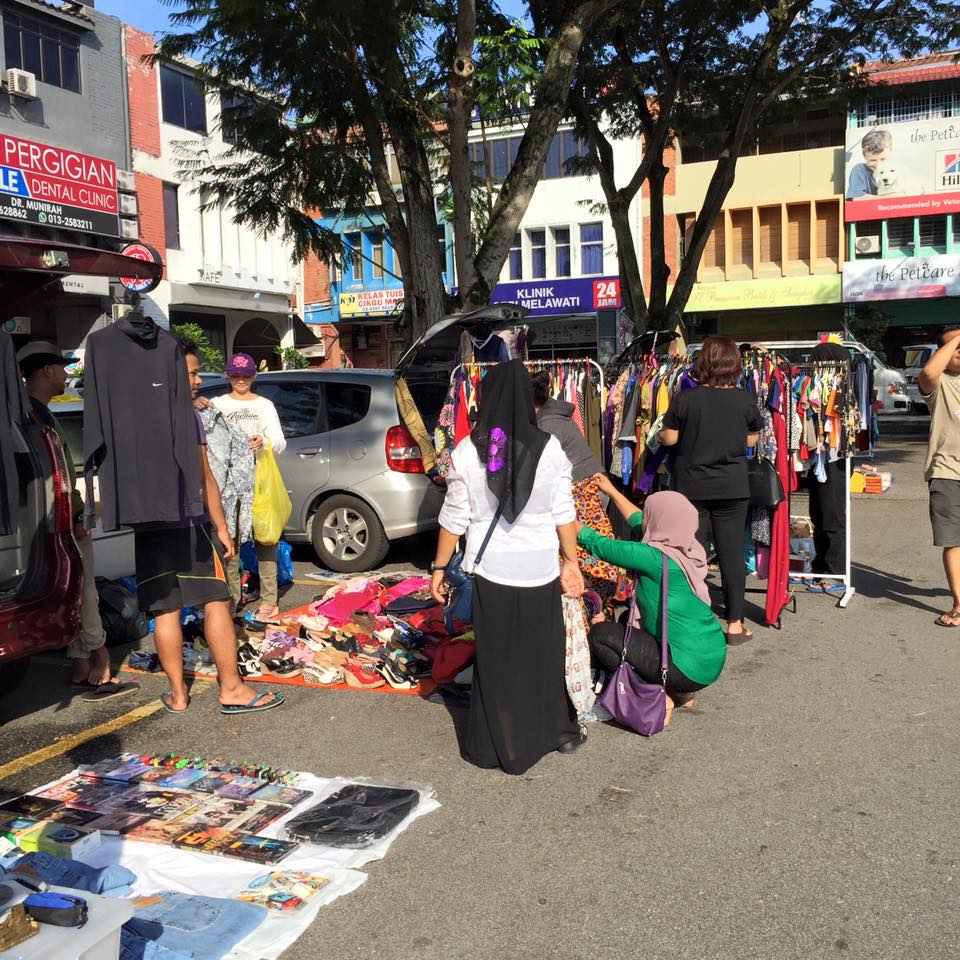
[(403, 454), (62, 494)]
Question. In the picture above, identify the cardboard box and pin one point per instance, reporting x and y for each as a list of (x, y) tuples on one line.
[(61, 840)]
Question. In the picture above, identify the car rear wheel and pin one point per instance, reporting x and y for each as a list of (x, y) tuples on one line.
[(347, 535)]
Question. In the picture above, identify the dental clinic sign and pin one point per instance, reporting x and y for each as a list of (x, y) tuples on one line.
[(545, 298), (906, 279), (54, 187)]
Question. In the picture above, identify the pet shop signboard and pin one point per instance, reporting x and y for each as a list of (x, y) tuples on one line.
[(903, 170), (911, 278)]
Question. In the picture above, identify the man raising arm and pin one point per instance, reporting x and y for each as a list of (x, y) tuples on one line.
[(940, 387)]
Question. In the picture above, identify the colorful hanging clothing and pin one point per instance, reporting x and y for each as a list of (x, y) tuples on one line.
[(600, 576)]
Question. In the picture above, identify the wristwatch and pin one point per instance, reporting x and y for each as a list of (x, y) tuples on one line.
[(434, 566)]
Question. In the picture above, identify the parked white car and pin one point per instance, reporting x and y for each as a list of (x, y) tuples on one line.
[(915, 360)]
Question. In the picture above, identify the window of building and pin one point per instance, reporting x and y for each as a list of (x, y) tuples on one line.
[(346, 403), (297, 406), (478, 159), (934, 103), (955, 230), (771, 236), (52, 55), (553, 165), (442, 243), (741, 238), (538, 253), (235, 107), (798, 233), (183, 100), (354, 251), (714, 253), (591, 248), (900, 236), (561, 246), (500, 157), (171, 215), (516, 258), (828, 230), (376, 255), (933, 233)]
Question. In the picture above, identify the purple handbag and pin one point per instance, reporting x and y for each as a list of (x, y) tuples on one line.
[(631, 702)]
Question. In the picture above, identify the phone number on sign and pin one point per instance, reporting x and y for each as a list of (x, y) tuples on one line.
[(56, 220)]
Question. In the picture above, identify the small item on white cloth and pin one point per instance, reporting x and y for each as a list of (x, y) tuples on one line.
[(284, 890)]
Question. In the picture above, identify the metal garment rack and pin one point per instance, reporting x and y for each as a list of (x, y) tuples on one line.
[(543, 365), (845, 577)]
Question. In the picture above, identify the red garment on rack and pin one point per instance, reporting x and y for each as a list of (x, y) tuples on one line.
[(777, 594), (461, 427)]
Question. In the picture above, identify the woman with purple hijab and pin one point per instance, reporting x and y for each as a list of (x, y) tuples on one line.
[(512, 481), (698, 648)]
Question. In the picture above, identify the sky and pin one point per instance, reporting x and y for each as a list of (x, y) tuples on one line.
[(153, 15)]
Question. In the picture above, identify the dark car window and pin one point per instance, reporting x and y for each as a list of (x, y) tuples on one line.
[(297, 405), (72, 426), (347, 403)]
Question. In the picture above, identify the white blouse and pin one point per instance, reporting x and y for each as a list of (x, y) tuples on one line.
[(521, 554)]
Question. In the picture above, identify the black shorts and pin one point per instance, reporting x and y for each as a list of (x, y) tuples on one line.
[(179, 568)]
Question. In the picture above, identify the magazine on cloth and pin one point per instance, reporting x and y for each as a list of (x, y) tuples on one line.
[(115, 824), (100, 794), (157, 804), (31, 806), (155, 831), (278, 793), (241, 846), (285, 890)]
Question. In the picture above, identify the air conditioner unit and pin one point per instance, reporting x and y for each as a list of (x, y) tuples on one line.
[(21, 83), (126, 182), (868, 244), (129, 229), (128, 204)]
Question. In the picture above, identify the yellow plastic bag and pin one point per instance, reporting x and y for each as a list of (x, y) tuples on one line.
[(271, 505)]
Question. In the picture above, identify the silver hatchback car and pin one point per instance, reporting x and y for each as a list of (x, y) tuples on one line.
[(353, 472)]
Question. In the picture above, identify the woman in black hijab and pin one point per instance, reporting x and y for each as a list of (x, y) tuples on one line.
[(512, 481)]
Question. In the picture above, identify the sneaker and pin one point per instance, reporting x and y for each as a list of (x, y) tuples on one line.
[(283, 667), (248, 661), (395, 675), (321, 674)]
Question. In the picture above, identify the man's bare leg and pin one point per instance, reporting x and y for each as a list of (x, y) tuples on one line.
[(221, 638), (168, 638)]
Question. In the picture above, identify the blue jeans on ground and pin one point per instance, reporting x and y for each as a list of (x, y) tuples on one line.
[(56, 871), (207, 928)]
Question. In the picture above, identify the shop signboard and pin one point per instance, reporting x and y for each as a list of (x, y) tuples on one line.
[(764, 293), (16, 325), (902, 170), (148, 254), (545, 298), (54, 187), (370, 303), (909, 278)]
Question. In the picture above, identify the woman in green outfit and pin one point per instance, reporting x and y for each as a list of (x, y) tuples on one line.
[(697, 645)]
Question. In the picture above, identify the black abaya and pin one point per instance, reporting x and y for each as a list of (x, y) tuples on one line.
[(519, 710)]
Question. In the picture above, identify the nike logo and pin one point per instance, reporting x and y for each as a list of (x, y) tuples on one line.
[(159, 384)]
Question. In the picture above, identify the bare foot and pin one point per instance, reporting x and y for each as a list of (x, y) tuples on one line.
[(241, 695), (177, 700), (99, 672), (669, 713)]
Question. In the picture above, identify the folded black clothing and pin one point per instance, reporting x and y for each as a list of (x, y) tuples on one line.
[(356, 816)]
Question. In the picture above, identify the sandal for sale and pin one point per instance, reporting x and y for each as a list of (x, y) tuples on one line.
[(361, 676), (321, 675), (282, 667), (248, 661)]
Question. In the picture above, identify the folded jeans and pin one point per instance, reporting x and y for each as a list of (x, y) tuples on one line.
[(74, 874)]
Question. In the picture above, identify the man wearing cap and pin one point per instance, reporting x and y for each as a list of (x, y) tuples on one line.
[(44, 371), (257, 417)]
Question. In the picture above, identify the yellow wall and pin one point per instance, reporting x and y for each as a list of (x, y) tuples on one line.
[(770, 178)]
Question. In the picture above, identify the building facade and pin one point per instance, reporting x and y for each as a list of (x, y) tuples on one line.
[(902, 208), (562, 264), (233, 283), (772, 267), (64, 150)]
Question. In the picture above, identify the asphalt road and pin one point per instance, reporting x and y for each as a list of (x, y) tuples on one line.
[(805, 809)]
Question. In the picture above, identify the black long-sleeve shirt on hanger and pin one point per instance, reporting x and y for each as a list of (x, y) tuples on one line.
[(139, 427), (16, 410)]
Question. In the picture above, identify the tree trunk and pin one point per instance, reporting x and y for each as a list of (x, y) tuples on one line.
[(631, 277), (549, 106), (460, 100), (659, 268)]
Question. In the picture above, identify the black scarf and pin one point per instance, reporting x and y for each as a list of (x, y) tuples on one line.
[(508, 440)]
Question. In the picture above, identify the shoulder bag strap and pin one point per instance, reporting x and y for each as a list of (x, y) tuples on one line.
[(664, 642), (486, 539)]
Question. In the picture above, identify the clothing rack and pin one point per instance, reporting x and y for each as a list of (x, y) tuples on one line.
[(845, 578), (537, 365)]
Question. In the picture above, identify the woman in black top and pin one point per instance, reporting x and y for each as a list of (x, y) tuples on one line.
[(711, 428)]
